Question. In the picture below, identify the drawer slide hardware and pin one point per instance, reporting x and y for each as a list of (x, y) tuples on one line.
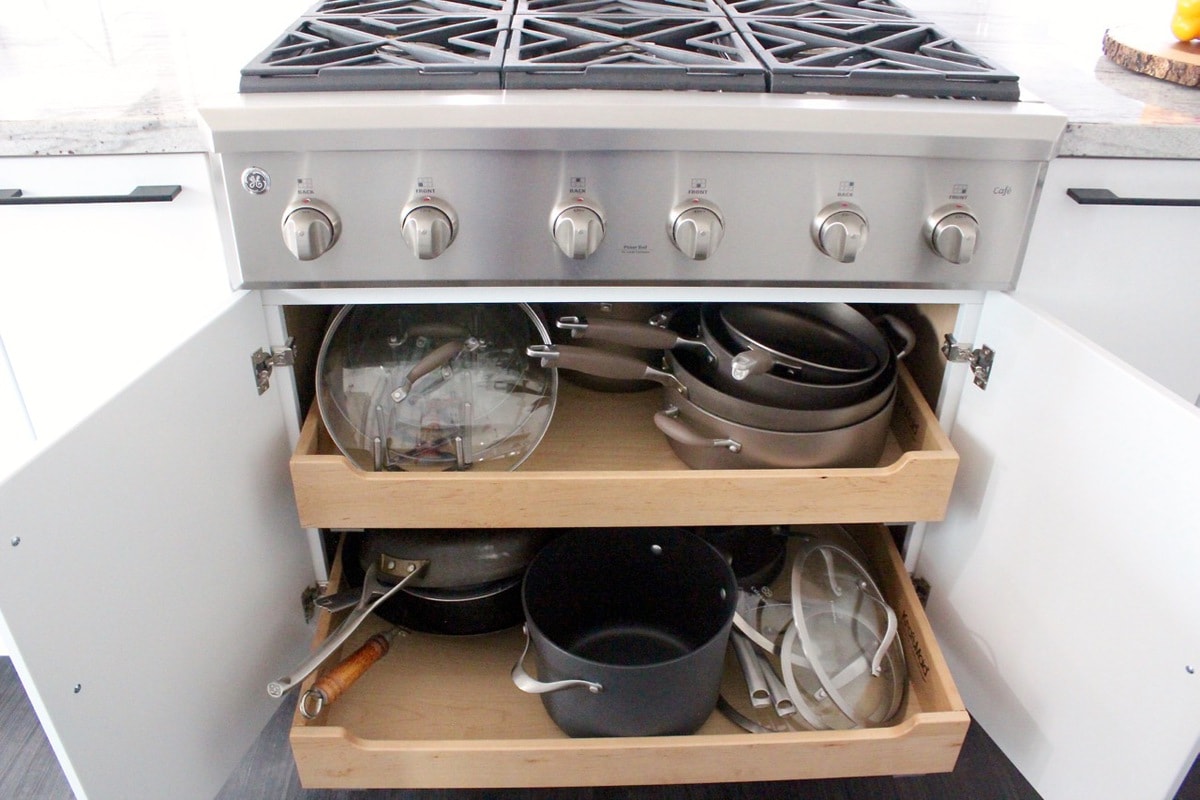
[(979, 358), (265, 361)]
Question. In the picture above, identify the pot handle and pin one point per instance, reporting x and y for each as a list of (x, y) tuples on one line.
[(901, 331), (602, 364), (435, 360), (527, 683), (674, 428), (373, 594), (631, 334), (751, 362), (334, 683)]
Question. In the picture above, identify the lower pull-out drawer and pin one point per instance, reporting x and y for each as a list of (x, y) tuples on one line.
[(442, 712)]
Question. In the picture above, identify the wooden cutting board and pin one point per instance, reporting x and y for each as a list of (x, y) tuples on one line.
[(1153, 51)]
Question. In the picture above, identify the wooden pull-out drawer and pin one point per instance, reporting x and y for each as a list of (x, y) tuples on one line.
[(602, 462), (442, 712)]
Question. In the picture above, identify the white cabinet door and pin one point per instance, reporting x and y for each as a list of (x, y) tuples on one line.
[(1064, 579), (151, 571), (91, 294), (1127, 277)]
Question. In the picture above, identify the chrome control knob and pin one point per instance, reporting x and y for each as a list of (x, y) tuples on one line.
[(696, 228), (577, 228), (953, 233), (428, 227), (310, 228), (840, 231)]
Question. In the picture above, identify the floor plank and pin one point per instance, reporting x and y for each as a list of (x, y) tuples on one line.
[(28, 768)]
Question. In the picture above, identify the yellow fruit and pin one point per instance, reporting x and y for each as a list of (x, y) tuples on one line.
[(1186, 22)]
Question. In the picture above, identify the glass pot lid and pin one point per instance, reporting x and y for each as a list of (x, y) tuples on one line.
[(435, 387), (845, 656)]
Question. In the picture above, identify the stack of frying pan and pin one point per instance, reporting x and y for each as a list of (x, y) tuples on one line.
[(756, 384)]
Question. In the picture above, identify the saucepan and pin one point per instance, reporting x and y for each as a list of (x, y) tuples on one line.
[(782, 438), (803, 356), (457, 582), (629, 627)]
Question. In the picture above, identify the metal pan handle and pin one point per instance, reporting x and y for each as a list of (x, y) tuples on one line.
[(631, 334), (371, 588), (902, 333), (601, 364), (674, 428), (527, 683)]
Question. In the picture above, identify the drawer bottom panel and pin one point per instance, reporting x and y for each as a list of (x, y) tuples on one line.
[(442, 712)]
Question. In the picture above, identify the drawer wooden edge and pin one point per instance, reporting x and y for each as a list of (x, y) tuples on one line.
[(333, 758)]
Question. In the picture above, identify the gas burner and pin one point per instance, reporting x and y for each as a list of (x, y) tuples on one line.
[(364, 53), (870, 58), (626, 52)]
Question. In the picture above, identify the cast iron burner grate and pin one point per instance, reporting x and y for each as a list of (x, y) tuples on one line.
[(404, 8), (365, 53), (635, 8), (871, 58), (843, 47), (882, 10), (624, 52)]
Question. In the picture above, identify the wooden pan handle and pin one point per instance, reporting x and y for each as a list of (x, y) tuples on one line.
[(330, 686)]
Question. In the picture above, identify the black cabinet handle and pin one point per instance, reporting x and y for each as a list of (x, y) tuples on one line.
[(1105, 197), (142, 194)]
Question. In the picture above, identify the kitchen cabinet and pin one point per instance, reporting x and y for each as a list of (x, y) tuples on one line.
[(150, 574), (1063, 574), (160, 537), (1123, 275)]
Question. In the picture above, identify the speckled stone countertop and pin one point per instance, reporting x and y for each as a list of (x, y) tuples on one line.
[(126, 76)]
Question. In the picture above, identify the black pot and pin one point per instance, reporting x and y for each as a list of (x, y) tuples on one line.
[(755, 553), (630, 628)]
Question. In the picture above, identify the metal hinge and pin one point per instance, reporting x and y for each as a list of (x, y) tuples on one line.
[(265, 361), (922, 588), (308, 601), (979, 358)]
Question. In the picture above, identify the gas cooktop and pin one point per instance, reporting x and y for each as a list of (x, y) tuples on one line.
[(843, 47)]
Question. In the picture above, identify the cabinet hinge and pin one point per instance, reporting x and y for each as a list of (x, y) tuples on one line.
[(308, 601), (265, 361), (980, 358), (922, 588)]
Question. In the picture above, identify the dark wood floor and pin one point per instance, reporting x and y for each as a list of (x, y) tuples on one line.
[(29, 771)]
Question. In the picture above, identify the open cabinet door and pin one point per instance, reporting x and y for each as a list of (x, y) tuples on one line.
[(1065, 578), (151, 572)]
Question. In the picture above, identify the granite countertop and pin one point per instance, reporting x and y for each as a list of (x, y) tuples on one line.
[(126, 76)]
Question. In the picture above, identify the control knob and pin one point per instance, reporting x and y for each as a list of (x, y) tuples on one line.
[(953, 233), (840, 231), (428, 226), (696, 228), (310, 228), (577, 227)]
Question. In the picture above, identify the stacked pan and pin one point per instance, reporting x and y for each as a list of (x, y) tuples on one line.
[(756, 384)]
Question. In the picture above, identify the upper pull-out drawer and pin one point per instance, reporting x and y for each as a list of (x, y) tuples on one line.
[(603, 462)]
